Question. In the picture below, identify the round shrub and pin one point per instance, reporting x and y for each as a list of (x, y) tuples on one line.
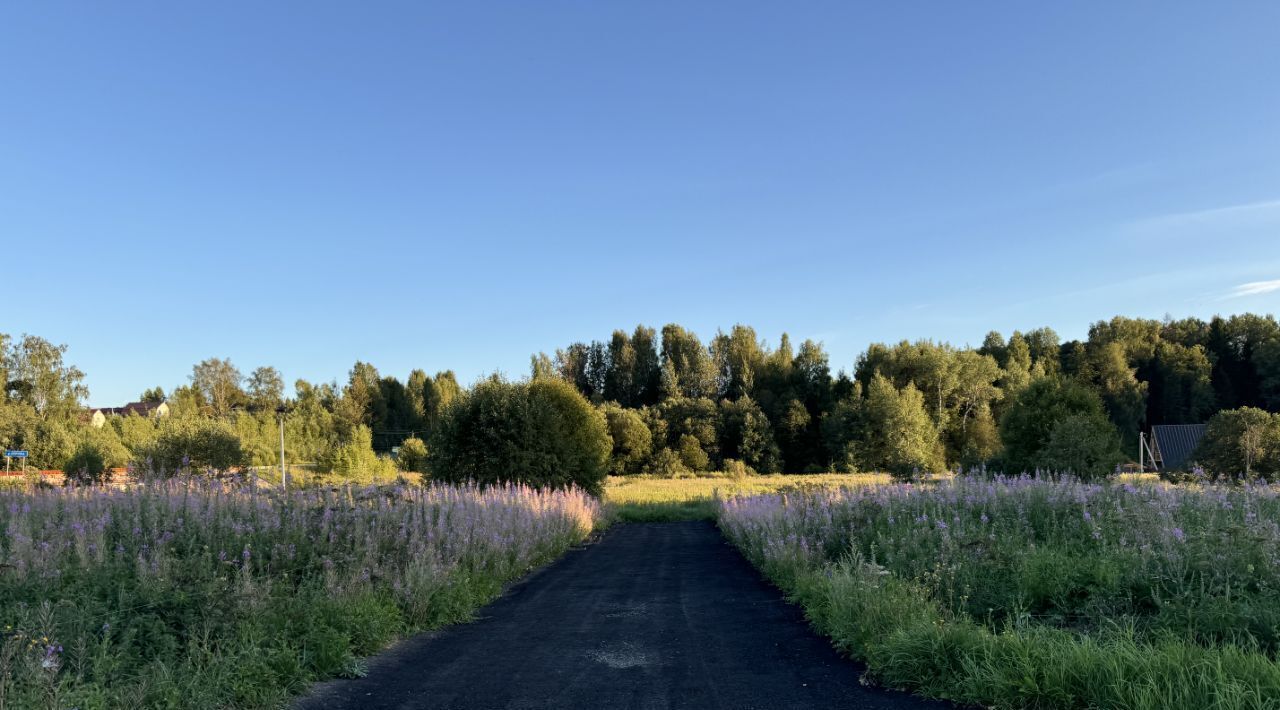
[(632, 440), (413, 454), (354, 460), (1242, 443), (87, 466), (1085, 445), (667, 463), (192, 444), (692, 454), (543, 433)]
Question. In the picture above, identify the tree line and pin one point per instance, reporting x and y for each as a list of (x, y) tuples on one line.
[(1018, 403), (670, 403)]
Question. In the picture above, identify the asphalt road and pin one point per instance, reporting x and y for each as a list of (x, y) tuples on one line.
[(656, 615)]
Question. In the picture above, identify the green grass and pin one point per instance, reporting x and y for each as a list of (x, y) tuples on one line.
[(198, 595), (646, 499), (1024, 593)]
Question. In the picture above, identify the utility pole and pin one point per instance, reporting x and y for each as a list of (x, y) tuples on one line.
[(284, 471)]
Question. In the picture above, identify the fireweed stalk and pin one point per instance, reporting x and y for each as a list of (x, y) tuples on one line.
[(1037, 591), (193, 595)]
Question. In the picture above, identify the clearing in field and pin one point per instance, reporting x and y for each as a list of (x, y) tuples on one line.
[(652, 498)]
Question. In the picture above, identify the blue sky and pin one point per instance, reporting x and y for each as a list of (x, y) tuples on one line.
[(460, 185)]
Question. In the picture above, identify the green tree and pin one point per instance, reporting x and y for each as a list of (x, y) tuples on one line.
[(842, 429), (970, 430), (738, 358), (1241, 442), (258, 435), (619, 381), (1181, 387), (415, 389), (87, 466), (692, 371), (692, 455), (266, 389), (1027, 425), (155, 395), (1123, 394), (746, 436), (647, 374), (437, 394), (218, 382), (1085, 445), (187, 401), (309, 426), (1231, 344), (196, 444), (542, 432), (1266, 362), (361, 401), (632, 439), (979, 442), (1045, 349), (36, 375), (106, 440), (694, 418), (134, 433), (354, 459), (541, 366), (4, 368), (412, 455), (1016, 364), (898, 435)]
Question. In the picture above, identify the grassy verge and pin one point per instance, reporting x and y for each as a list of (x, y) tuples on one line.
[(1156, 597), (204, 596), (909, 642), (655, 499)]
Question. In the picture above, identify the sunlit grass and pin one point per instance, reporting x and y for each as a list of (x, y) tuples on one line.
[(652, 499), (1037, 592)]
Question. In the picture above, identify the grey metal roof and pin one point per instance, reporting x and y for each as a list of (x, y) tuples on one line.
[(1175, 443)]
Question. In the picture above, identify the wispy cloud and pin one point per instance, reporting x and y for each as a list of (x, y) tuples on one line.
[(1249, 213), (1254, 288)]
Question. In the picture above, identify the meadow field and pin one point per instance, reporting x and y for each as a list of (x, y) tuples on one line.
[(690, 497), (1032, 592), (198, 594)]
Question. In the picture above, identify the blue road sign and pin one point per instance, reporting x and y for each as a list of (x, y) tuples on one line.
[(15, 454)]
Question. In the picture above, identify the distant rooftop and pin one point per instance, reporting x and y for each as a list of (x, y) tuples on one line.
[(1174, 443)]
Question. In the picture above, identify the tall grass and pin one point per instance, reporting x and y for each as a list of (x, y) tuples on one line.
[(1034, 592), (202, 595)]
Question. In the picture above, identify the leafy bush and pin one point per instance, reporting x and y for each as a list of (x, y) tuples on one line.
[(354, 460), (413, 455), (543, 432), (87, 466), (1027, 426), (667, 463), (736, 469), (184, 444), (1085, 445), (632, 440), (692, 455), (1242, 442), (745, 434)]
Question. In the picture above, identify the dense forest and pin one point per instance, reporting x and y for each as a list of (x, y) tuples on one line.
[(674, 403), (922, 405)]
